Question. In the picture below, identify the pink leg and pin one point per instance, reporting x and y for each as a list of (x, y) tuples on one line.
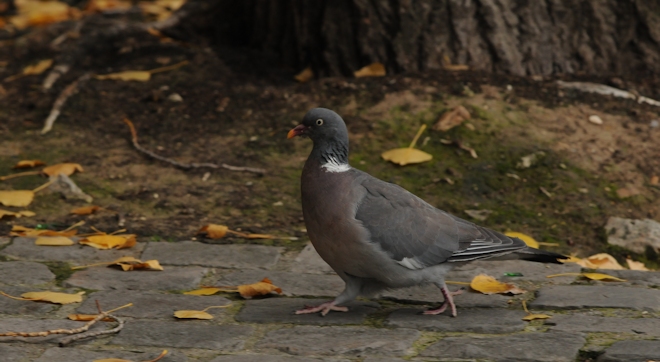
[(449, 301), (323, 308)]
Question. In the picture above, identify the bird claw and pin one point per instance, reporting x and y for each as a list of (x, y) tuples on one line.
[(324, 308), (449, 302)]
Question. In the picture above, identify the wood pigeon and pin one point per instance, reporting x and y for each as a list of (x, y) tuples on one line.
[(376, 235)]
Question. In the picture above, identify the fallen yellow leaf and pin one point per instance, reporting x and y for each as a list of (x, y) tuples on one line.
[(18, 230), (54, 297), (261, 288), (28, 164), (600, 261), (197, 314), (305, 76), (636, 265), (53, 241), (62, 168), (531, 317), (488, 285), (592, 276), (214, 231), (104, 242), (38, 68), (139, 75), (408, 155), (526, 238), (18, 198), (371, 70), (87, 317), (101, 5), (203, 291), (17, 214), (192, 314), (85, 210)]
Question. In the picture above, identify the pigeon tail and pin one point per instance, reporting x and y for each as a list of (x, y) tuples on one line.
[(540, 256)]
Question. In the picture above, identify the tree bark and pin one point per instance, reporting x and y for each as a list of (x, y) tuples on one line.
[(519, 37)]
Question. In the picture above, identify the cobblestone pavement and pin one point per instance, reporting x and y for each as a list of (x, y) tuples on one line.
[(590, 320)]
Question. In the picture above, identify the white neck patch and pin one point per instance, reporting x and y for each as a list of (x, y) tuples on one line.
[(334, 166)]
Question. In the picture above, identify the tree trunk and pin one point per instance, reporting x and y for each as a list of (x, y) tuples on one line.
[(520, 37)]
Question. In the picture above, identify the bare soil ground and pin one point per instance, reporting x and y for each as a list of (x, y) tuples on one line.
[(583, 167)]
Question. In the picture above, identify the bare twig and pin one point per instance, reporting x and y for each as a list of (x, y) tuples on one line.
[(186, 166), (70, 90), (20, 174), (120, 325)]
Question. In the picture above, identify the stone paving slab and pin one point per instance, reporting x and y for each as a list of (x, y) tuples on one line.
[(15, 352), (184, 334), (172, 278), (70, 354), (637, 277), (292, 284), (24, 273), (525, 347), (4, 240), (37, 325), (596, 296), (531, 271), (281, 310), (468, 320), (383, 359), (336, 341), (587, 323), (24, 249), (234, 256), (20, 307), (149, 305), (430, 294), (310, 262), (631, 351), (272, 358)]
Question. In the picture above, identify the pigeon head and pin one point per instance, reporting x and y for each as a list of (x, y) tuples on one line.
[(328, 132)]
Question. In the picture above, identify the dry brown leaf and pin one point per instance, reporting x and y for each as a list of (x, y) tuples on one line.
[(531, 317), (36, 13), (488, 285), (54, 297), (456, 67), (85, 210), (203, 291), (655, 180), (526, 238), (62, 168), (371, 70), (636, 265), (101, 5), (214, 231), (18, 198), (305, 76), (161, 9), (53, 241), (28, 164), (452, 119), (105, 242), (409, 155), (130, 263), (38, 68), (261, 288)]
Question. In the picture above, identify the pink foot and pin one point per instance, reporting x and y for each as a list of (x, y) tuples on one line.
[(449, 301), (323, 308)]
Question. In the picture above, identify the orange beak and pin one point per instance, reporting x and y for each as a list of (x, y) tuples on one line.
[(297, 131)]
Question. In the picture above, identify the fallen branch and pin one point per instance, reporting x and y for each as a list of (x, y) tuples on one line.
[(76, 331), (70, 90), (186, 166), (606, 90)]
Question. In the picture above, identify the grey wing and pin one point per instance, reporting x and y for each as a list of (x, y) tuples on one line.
[(418, 235)]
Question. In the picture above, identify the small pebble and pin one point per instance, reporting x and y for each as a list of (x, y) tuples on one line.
[(279, 203), (595, 119), (655, 123), (175, 97)]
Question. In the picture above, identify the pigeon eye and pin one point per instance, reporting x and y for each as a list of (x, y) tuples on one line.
[(319, 122)]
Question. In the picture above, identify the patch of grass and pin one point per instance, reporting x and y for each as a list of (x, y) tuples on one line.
[(62, 271)]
